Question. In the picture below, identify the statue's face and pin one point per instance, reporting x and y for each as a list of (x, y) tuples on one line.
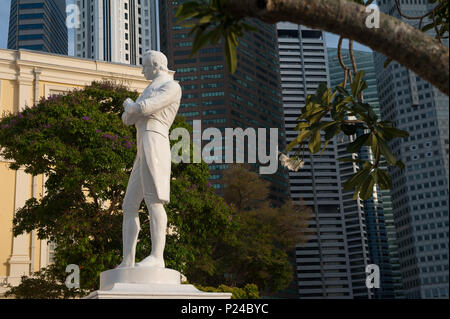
[(150, 71)]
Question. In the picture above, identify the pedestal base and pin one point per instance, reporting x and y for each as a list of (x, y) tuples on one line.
[(148, 283)]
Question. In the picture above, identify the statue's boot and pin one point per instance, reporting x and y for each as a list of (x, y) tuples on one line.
[(151, 261)]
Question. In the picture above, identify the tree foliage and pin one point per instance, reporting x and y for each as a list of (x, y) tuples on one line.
[(44, 284), (349, 116), (249, 291), (268, 235), (79, 142)]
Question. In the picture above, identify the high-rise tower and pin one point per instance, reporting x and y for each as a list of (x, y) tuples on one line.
[(420, 191), (332, 263), (249, 98), (38, 25), (375, 213), (116, 30)]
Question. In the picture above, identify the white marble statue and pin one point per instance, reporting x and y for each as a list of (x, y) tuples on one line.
[(152, 114)]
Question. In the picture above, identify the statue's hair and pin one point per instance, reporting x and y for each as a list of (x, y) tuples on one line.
[(157, 58)]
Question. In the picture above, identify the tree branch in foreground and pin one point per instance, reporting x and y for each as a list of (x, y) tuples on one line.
[(417, 51)]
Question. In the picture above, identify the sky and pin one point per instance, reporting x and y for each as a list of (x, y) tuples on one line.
[(331, 39), (4, 22)]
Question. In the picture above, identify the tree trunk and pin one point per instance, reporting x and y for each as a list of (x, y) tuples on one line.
[(394, 38)]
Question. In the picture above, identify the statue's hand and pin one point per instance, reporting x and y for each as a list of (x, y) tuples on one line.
[(130, 106)]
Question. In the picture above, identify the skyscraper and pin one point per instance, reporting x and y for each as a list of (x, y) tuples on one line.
[(116, 30), (332, 263), (38, 25), (376, 211), (249, 98), (420, 191)]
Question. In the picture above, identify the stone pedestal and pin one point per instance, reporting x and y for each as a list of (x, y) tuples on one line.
[(148, 283)]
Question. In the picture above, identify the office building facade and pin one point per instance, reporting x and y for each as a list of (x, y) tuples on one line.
[(116, 30), (376, 212), (38, 25), (420, 191), (249, 98), (332, 263)]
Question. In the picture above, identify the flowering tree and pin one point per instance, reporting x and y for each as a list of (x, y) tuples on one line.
[(79, 142)]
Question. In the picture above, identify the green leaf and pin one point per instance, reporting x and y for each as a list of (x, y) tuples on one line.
[(427, 27), (358, 83), (400, 164), (356, 145), (186, 14), (366, 190), (302, 125), (384, 180), (387, 62), (200, 40), (205, 19), (342, 90), (331, 130), (390, 132), (230, 53), (357, 178), (384, 149), (299, 139), (248, 27), (314, 142)]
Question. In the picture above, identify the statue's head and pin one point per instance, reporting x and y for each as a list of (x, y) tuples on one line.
[(154, 63)]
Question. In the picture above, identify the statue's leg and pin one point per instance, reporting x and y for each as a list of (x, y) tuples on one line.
[(158, 221), (131, 225), (158, 225)]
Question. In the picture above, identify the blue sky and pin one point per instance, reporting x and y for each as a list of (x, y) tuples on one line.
[(4, 22), (332, 39)]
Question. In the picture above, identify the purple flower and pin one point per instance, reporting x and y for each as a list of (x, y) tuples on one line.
[(107, 136), (38, 130), (86, 118), (20, 115), (5, 126), (47, 126), (98, 131)]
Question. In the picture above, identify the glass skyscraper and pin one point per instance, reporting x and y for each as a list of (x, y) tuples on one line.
[(38, 25), (420, 191), (249, 98), (332, 263), (377, 211)]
